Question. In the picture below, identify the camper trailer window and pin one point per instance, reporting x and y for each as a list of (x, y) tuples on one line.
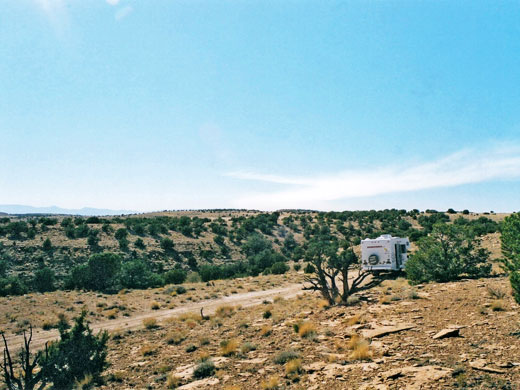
[(403, 248)]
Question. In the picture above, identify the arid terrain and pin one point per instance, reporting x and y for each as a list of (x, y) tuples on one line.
[(266, 332), (336, 347)]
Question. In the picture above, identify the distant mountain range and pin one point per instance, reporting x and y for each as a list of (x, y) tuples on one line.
[(22, 209)]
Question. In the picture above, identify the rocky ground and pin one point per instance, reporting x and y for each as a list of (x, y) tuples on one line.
[(435, 336)]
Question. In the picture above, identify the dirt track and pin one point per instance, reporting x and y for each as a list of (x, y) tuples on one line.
[(40, 337)]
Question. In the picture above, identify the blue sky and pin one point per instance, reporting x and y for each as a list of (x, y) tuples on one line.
[(151, 105)]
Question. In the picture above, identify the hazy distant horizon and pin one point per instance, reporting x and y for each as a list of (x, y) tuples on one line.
[(90, 211)]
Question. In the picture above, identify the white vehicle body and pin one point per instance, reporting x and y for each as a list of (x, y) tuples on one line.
[(385, 253)]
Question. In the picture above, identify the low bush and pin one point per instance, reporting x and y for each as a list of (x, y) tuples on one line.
[(204, 369), (284, 356)]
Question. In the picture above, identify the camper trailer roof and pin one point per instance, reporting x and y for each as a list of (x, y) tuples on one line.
[(384, 237)]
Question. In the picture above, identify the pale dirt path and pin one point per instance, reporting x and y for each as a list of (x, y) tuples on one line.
[(40, 337)]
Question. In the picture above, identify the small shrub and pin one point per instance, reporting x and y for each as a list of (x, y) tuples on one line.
[(181, 290), (267, 314), (360, 348), (497, 305), (193, 277), (112, 313), (293, 367), (117, 376), (204, 369), (284, 356), (357, 319), (247, 347), (150, 323), (148, 349), (496, 293), (323, 304), (175, 337), (307, 330), (155, 305), (173, 381), (266, 330), (412, 294), (191, 348), (270, 384), (229, 347), (361, 352), (225, 311), (203, 356)]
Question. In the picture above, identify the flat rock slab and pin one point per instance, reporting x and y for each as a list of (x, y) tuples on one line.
[(481, 365), (253, 361), (385, 330), (417, 377), (313, 367), (445, 333), (199, 384)]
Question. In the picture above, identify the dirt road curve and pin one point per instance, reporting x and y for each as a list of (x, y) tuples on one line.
[(40, 337)]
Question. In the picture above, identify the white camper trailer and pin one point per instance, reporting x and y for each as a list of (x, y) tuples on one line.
[(385, 253)]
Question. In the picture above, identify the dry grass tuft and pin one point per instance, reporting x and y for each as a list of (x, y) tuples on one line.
[(118, 376), (232, 387), (184, 317), (173, 381), (148, 349), (225, 311), (323, 304), (293, 367), (270, 384), (266, 330), (360, 348), (361, 352), (498, 305), (229, 347), (307, 330), (357, 319), (150, 323), (247, 347), (496, 293), (155, 305), (175, 337), (112, 314)]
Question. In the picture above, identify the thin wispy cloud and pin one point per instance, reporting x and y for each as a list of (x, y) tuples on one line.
[(123, 12), (56, 13), (464, 167), (113, 2)]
